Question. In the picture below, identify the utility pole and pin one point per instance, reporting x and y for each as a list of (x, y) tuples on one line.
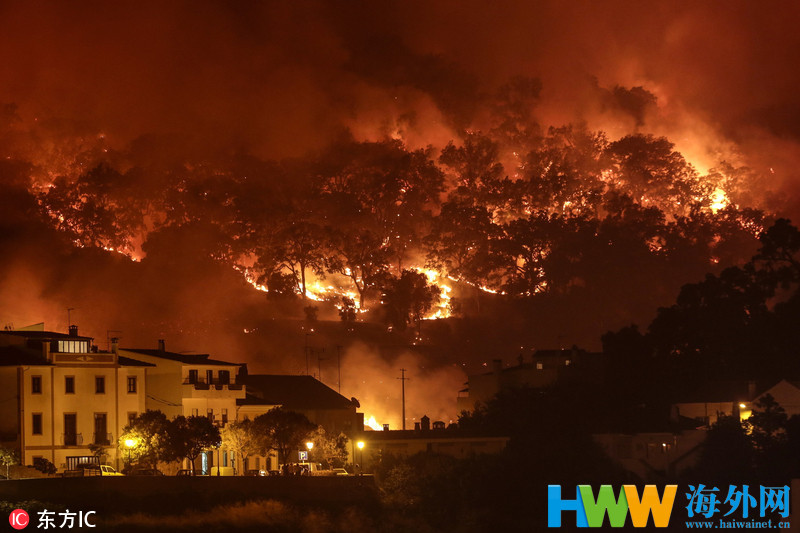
[(306, 352), (319, 366), (403, 380), (339, 365)]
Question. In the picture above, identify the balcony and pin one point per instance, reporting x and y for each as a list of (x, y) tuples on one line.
[(72, 439), (102, 439), (202, 388)]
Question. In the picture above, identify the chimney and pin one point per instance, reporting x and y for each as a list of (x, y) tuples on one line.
[(426, 423), (162, 345), (386, 427), (114, 344), (416, 426), (73, 331)]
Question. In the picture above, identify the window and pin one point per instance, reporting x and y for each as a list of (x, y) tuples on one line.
[(36, 424), (131, 384), (224, 416), (539, 365), (101, 429), (99, 385), (225, 376), (209, 376), (131, 417), (70, 429), (211, 414), (69, 385), (192, 376), (36, 384), (73, 347), (195, 412), (225, 458)]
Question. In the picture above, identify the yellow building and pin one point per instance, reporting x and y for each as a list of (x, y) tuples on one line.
[(191, 385), (61, 395)]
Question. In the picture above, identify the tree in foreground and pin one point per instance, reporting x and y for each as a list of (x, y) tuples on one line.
[(244, 438), (145, 439), (8, 458), (189, 437), (287, 430)]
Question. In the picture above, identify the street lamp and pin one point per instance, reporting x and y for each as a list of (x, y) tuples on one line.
[(360, 445), (130, 444)]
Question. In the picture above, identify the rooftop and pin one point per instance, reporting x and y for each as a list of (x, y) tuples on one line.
[(16, 356), (292, 392), (127, 361), (185, 358), (44, 335)]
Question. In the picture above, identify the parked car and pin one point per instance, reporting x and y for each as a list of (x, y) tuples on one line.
[(184, 472), (100, 470), (340, 472), (145, 472)]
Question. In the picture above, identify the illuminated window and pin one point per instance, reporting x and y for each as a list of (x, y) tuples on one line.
[(36, 424), (36, 384), (69, 385), (73, 346), (539, 365)]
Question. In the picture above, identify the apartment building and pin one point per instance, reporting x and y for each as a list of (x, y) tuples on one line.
[(60, 394)]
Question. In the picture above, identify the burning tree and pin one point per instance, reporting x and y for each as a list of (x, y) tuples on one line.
[(408, 298)]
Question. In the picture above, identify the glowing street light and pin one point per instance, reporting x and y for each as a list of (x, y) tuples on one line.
[(309, 445), (130, 444), (360, 445)]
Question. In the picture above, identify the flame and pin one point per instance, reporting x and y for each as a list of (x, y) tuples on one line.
[(719, 200), (373, 424), (442, 310)]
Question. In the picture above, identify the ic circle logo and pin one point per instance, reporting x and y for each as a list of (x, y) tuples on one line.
[(18, 519)]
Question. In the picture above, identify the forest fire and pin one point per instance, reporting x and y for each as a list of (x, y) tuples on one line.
[(396, 210)]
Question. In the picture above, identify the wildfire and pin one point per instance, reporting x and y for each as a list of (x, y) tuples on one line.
[(373, 424), (719, 200), (442, 310)]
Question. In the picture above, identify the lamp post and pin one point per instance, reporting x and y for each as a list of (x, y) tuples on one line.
[(129, 444), (360, 445), (218, 446)]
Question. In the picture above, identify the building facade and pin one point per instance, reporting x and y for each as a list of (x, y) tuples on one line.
[(63, 399)]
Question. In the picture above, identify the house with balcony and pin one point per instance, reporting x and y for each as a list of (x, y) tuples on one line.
[(62, 394), (190, 384)]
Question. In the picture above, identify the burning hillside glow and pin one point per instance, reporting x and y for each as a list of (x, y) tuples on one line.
[(372, 424), (719, 200)]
